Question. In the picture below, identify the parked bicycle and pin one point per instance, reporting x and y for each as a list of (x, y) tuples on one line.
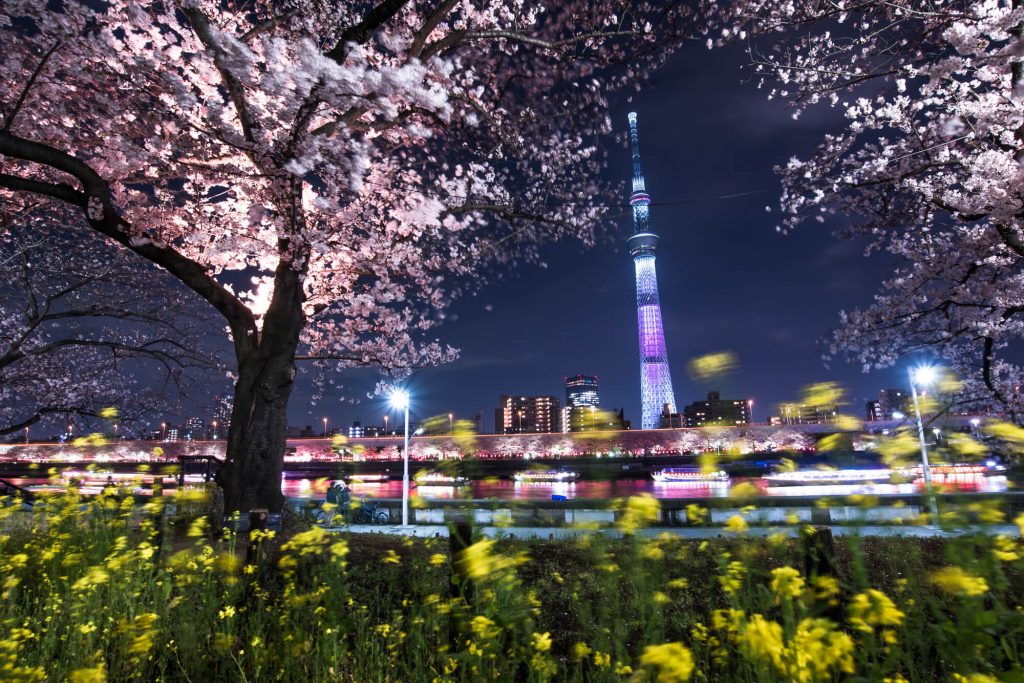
[(371, 513)]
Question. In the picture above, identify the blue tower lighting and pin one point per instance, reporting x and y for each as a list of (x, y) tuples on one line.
[(655, 378)]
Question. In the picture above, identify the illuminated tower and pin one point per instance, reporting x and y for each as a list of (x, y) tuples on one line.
[(655, 380)]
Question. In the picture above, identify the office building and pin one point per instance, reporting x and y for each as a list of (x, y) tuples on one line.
[(716, 411)]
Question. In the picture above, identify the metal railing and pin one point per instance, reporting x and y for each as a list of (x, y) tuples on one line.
[(210, 466)]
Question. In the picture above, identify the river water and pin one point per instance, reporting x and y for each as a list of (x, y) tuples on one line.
[(503, 489)]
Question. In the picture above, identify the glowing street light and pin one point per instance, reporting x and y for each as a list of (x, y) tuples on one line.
[(325, 427), (399, 399), (163, 431), (214, 430), (386, 424), (450, 423), (26, 434), (924, 376)]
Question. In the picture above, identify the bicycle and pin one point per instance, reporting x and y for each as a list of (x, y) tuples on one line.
[(370, 513)]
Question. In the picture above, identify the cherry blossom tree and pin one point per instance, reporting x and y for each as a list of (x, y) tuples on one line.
[(926, 167), (77, 332), (327, 175)]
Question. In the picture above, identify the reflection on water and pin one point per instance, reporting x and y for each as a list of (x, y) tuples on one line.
[(510, 490)]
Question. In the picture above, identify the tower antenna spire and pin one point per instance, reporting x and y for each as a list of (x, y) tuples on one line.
[(655, 379)]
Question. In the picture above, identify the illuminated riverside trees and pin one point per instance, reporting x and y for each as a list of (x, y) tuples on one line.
[(927, 166), (326, 175)]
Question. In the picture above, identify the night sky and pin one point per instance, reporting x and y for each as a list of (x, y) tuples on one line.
[(728, 280)]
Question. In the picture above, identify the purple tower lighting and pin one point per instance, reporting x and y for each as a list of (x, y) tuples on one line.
[(655, 379)]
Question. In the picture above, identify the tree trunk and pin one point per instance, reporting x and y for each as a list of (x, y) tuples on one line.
[(251, 477)]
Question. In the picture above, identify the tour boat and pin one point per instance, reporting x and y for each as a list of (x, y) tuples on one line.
[(440, 479), (949, 474), (831, 476), (368, 478), (689, 475), (552, 476)]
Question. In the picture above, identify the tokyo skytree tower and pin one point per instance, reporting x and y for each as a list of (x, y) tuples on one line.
[(655, 379)]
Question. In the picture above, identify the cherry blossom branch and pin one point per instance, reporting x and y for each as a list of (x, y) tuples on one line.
[(457, 37), (28, 85), (362, 31), (201, 26)]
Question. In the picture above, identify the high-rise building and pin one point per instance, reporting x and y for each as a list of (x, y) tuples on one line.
[(356, 430), (220, 420), (581, 404), (890, 404), (717, 411), (655, 379), (581, 390), (526, 415), (193, 428)]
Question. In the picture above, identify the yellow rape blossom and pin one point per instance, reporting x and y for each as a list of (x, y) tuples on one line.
[(95, 674), (787, 584), (736, 524), (1006, 549), (640, 511), (695, 514), (484, 628), (817, 650), (579, 652), (732, 580), (956, 581), (873, 608), (672, 662), (826, 588), (975, 678)]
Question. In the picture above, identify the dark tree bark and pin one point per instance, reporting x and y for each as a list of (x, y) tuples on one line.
[(251, 477)]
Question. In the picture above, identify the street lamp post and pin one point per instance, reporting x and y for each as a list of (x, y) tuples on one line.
[(400, 400), (325, 427), (214, 430), (163, 431), (924, 376), (386, 424), (449, 423), (26, 434)]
